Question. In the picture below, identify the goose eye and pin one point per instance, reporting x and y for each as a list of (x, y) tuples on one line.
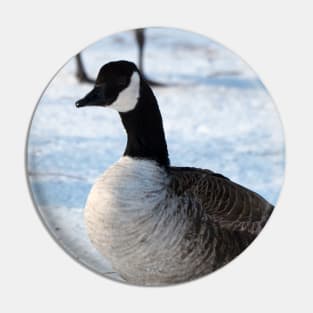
[(122, 81)]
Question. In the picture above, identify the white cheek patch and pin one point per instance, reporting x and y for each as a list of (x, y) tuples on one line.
[(127, 98)]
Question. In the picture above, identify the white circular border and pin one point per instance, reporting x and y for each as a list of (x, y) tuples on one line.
[(273, 274)]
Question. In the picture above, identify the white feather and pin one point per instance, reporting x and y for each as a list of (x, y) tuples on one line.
[(136, 223), (127, 98), (127, 190)]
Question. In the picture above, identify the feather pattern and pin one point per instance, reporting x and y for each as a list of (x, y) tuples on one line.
[(161, 226), (231, 205)]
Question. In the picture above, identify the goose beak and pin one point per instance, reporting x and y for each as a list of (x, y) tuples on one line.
[(96, 97)]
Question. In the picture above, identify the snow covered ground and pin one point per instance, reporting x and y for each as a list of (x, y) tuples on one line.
[(216, 114)]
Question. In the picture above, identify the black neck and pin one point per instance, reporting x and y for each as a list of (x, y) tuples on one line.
[(144, 127)]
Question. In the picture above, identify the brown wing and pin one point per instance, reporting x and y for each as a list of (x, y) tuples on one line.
[(233, 207)]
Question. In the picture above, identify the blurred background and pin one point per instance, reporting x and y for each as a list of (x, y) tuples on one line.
[(216, 115)]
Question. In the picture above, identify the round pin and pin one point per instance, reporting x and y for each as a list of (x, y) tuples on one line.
[(177, 179)]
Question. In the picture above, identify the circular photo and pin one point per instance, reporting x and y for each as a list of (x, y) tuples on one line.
[(155, 156)]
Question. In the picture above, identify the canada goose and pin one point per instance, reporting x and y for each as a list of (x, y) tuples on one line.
[(155, 223)]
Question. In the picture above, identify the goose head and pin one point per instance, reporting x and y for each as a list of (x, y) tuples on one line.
[(120, 86), (117, 86)]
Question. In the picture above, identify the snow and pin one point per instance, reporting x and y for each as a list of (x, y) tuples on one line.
[(216, 114)]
